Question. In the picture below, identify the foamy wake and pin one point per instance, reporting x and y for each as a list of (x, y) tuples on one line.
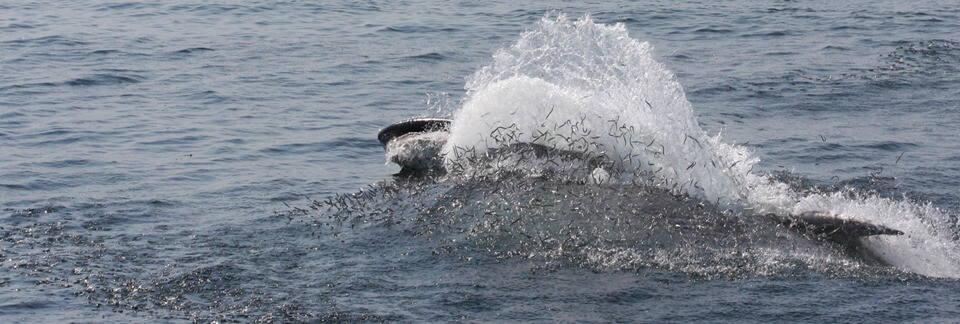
[(587, 87)]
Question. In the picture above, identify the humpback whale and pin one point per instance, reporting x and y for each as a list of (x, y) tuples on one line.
[(415, 146)]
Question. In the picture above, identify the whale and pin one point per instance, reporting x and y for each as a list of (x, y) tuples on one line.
[(415, 145)]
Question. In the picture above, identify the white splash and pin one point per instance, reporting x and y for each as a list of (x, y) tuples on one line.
[(588, 87), (582, 86)]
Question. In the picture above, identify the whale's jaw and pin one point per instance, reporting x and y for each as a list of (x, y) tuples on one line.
[(417, 153), (831, 227)]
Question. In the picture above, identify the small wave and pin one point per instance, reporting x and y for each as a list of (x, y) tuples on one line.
[(846, 27), (211, 97), (39, 185), (339, 82), (779, 53), (415, 29), (212, 9), (179, 140), (835, 48), (49, 40), (68, 163), (711, 30), (17, 26), (889, 146), (194, 50), (138, 6), (682, 56), (773, 34), (104, 79), (434, 56), (105, 52), (27, 86), (412, 82), (718, 88)]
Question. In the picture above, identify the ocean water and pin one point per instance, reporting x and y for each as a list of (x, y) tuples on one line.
[(185, 161)]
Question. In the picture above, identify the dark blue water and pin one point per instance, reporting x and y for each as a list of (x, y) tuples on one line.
[(185, 161)]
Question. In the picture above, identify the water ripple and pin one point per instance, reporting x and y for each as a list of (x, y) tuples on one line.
[(105, 79)]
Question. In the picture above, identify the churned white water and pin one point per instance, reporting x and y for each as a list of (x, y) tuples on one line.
[(576, 85)]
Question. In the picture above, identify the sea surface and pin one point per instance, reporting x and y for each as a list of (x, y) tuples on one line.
[(190, 161)]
